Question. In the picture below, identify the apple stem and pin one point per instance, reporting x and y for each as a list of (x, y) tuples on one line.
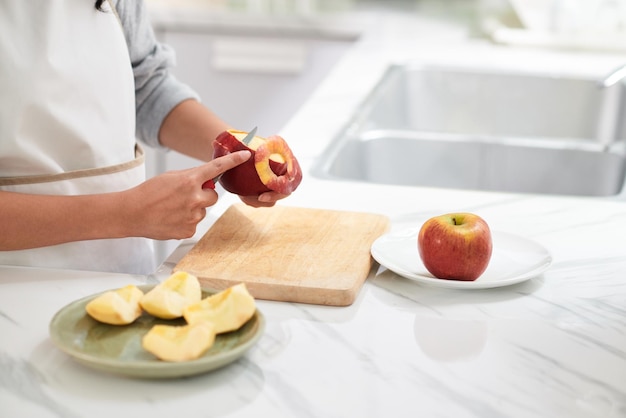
[(454, 220)]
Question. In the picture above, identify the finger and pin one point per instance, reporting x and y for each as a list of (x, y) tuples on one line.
[(263, 200), (208, 197), (219, 165), (270, 197), (254, 202), (198, 215)]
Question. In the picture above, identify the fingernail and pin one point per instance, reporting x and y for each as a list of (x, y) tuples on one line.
[(265, 198)]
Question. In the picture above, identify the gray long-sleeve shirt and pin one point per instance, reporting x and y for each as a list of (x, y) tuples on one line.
[(157, 91)]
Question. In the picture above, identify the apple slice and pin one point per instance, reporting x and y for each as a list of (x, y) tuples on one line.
[(116, 307), (177, 343), (228, 310), (272, 167), (168, 299)]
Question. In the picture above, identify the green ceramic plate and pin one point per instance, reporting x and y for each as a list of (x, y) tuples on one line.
[(117, 349)]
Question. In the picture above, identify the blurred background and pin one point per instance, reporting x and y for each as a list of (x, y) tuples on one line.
[(256, 62)]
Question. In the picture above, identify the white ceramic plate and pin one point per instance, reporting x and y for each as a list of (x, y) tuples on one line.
[(514, 259)]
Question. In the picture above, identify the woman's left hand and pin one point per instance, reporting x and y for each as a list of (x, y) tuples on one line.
[(264, 200)]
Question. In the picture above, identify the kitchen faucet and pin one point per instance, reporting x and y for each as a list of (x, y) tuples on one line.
[(613, 77), (608, 126)]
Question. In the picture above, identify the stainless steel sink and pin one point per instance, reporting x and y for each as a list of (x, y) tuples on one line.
[(485, 130)]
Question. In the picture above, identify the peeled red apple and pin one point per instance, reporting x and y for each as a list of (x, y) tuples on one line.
[(272, 166), (116, 307), (455, 246), (228, 310), (179, 342), (168, 299)]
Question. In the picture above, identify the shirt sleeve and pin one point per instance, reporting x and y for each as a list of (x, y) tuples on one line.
[(157, 91)]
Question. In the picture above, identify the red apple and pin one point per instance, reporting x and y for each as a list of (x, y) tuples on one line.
[(272, 166), (455, 246)]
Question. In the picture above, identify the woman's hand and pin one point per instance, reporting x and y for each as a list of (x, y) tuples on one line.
[(267, 199), (170, 205)]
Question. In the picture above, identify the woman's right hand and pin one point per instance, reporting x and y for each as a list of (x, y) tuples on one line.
[(170, 205)]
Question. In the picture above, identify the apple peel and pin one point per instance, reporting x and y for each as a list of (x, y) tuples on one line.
[(285, 183), (275, 170)]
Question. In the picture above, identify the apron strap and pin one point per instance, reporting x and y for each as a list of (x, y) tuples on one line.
[(47, 178)]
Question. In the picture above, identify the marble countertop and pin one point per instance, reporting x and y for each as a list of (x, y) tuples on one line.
[(552, 346)]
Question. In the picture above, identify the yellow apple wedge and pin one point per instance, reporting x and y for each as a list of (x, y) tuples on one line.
[(177, 343), (168, 299), (228, 310), (116, 307)]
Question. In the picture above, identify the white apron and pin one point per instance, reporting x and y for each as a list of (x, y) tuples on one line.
[(67, 121)]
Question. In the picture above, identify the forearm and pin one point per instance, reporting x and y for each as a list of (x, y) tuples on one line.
[(190, 129), (167, 206), (31, 221)]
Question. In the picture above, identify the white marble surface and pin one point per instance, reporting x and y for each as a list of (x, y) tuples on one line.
[(553, 346)]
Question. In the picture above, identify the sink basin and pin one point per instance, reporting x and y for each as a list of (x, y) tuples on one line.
[(484, 130)]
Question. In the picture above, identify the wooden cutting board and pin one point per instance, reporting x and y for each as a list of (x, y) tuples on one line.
[(289, 254)]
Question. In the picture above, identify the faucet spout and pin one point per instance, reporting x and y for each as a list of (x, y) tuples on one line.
[(613, 77)]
